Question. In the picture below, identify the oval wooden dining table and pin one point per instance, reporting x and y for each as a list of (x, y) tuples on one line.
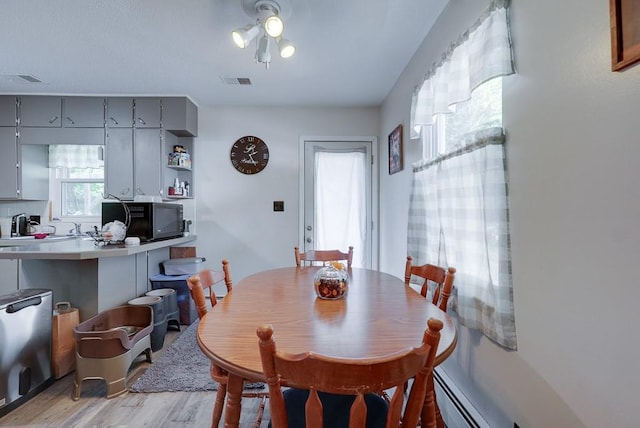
[(379, 316)]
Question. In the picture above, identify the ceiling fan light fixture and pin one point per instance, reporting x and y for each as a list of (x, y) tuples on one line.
[(262, 53), (286, 48), (243, 36), (268, 25)]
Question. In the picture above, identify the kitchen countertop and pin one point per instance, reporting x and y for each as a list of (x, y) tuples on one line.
[(77, 248), (30, 240)]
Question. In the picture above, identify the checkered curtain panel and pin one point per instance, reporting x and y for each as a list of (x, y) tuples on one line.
[(459, 216), (480, 54)]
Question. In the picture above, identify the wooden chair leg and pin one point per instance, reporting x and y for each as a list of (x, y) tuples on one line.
[(428, 416), (439, 420), (219, 405), (258, 422)]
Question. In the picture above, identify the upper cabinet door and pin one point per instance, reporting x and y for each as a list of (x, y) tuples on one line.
[(147, 112), (83, 112), (8, 163), (41, 111), (120, 112), (180, 116), (7, 110)]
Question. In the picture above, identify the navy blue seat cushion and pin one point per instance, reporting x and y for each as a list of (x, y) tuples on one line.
[(335, 409)]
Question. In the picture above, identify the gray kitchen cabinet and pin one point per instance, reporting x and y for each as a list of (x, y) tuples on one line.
[(147, 169), (83, 112), (8, 110), (133, 162), (180, 116), (24, 170), (147, 112), (40, 111), (118, 163), (33, 172), (8, 163), (119, 112), (9, 278)]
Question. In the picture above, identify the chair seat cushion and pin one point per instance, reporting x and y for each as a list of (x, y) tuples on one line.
[(335, 409)]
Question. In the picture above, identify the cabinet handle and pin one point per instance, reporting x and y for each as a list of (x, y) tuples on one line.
[(70, 120), (142, 121), (53, 119), (114, 121)]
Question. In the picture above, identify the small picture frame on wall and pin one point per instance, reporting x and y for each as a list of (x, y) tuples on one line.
[(625, 33), (395, 150)]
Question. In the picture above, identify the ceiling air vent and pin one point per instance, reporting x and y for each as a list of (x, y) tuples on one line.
[(19, 78), (29, 78), (236, 81)]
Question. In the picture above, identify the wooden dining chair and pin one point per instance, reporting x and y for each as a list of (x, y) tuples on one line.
[(313, 256), (442, 280), (432, 274), (333, 392), (205, 279)]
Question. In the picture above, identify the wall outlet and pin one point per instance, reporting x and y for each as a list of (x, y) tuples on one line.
[(278, 205)]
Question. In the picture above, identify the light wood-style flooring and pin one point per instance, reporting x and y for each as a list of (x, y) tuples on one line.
[(54, 407)]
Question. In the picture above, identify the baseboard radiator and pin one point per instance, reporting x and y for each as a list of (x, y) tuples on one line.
[(457, 411)]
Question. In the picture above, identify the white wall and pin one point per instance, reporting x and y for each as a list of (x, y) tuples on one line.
[(235, 217), (573, 149)]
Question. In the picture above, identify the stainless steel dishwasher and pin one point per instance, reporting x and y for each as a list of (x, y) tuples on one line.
[(25, 346)]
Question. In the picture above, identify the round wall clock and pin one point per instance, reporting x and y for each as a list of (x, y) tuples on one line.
[(249, 155)]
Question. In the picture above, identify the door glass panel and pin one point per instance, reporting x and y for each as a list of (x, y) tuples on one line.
[(337, 198), (340, 214)]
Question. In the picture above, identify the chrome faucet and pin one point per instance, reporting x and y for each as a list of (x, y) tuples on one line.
[(76, 231)]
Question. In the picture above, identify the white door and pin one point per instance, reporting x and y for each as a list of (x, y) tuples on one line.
[(337, 189)]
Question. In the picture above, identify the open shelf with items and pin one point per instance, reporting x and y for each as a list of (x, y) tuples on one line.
[(178, 167)]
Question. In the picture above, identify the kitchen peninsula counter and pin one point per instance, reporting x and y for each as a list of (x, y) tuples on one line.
[(92, 278), (79, 248)]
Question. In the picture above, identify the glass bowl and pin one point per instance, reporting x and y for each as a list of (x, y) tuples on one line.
[(331, 283)]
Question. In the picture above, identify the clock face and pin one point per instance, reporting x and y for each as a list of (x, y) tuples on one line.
[(249, 155)]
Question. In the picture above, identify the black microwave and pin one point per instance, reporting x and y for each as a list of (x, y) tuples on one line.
[(150, 221)]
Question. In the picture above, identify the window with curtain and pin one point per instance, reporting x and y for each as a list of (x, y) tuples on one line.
[(76, 180), (459, 210)]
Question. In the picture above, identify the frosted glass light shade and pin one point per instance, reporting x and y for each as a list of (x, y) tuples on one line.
[(243, 36), (274, 26), (286, 48)]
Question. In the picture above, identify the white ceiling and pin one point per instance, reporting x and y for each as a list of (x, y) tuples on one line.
[(349, 52)]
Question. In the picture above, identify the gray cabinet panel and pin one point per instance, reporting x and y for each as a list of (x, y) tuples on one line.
[(9, 278), (8, 163), (119, 163), (7, 110), (33, 173), (148, 167), (41, 111), (83, 112), (147, 112), (120, 112), (47, 136), (180, 116)]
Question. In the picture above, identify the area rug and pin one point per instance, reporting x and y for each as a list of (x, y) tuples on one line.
[(181, 367)]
